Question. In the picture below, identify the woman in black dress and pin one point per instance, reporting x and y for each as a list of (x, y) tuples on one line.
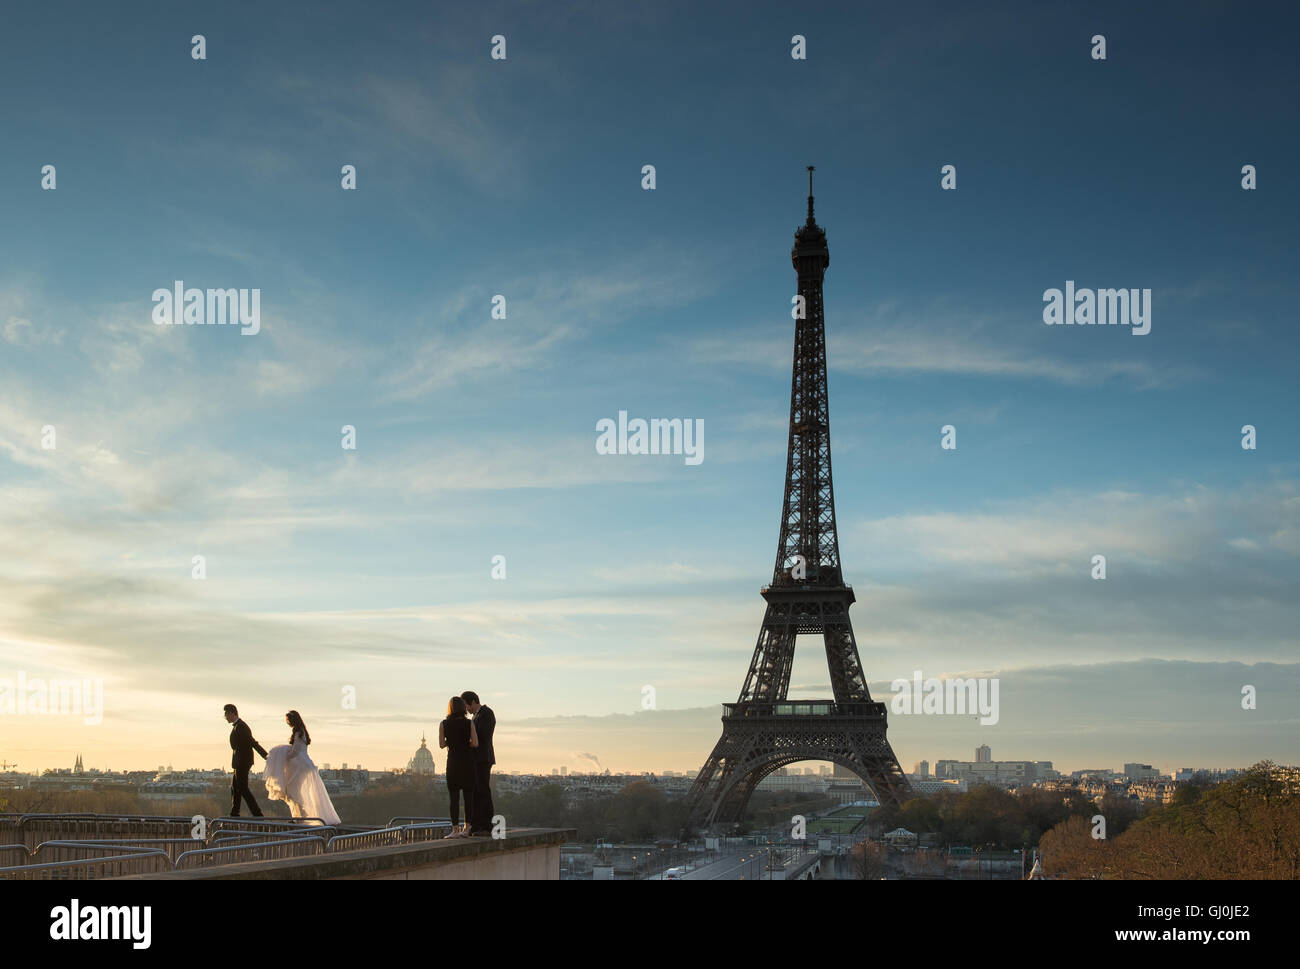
[(457, 734)]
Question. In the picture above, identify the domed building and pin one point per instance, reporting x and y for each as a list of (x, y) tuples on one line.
[(422, 762)]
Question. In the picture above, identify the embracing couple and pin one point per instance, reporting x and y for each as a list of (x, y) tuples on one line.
[(289, 774), (468, 741)]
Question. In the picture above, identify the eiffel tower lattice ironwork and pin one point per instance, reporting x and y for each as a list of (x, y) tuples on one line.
[(764, 730)]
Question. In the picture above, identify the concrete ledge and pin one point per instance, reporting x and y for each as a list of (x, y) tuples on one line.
[(524, 854)]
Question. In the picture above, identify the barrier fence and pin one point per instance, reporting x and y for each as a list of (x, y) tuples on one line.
[(259, 851), (140, 863), (48, 851), (145, 845), (32, 829)]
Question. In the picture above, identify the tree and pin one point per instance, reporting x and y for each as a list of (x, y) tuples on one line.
[(1245, 828), (1070, 851), (869, 860)]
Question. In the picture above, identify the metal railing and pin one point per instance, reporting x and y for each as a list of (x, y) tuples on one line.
[(230, 837), (397, 835), (261, 851), (264, 824), (365, 839), (433, 831), (49, 851), (230, 841), (802, 708), (32, 829), (21, 852), (138, 863)]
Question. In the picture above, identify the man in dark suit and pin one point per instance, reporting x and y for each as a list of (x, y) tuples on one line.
[(485, 723), (243, 745)]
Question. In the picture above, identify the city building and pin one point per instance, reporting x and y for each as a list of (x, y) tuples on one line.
[(929, 785), (782, 781), (176, 786), (1097, 773), (422, 762), (1140, 772), (349, 780), (1161, 792), (900, 837), (1003, 773)]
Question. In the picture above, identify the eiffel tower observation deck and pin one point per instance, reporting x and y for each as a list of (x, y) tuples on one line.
[(765, 730)]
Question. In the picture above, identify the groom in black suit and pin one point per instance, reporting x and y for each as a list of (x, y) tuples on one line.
[(243, 745), (485, 724)]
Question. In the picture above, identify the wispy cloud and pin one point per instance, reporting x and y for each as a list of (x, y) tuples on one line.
[(546, 313), (888, 342)]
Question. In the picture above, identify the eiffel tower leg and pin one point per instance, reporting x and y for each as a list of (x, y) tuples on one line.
[(848, 682), (731, 807), (752, 747), (872, 759), (712, 799), (703, 799), (699, 797), (769, 670)]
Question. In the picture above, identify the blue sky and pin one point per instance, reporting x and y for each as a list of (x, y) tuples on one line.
[(475, 437)]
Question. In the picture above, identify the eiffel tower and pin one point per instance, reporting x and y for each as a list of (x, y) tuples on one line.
[(764, 730)]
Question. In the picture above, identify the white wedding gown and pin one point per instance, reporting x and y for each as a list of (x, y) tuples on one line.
[(291, 777)]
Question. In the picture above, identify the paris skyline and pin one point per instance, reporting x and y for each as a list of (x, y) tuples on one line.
[(476, 437)]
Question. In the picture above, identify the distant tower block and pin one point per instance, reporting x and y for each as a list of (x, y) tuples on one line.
[(764, 731)]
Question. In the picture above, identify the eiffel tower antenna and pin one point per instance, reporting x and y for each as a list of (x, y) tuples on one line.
[(764, 730)]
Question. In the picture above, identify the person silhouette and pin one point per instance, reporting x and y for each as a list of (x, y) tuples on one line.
[(243, 745), (485, 724)]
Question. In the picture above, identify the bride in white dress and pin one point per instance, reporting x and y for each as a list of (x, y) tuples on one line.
[(291, 777)]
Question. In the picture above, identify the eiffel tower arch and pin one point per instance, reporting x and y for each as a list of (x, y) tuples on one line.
[(764, 730)]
